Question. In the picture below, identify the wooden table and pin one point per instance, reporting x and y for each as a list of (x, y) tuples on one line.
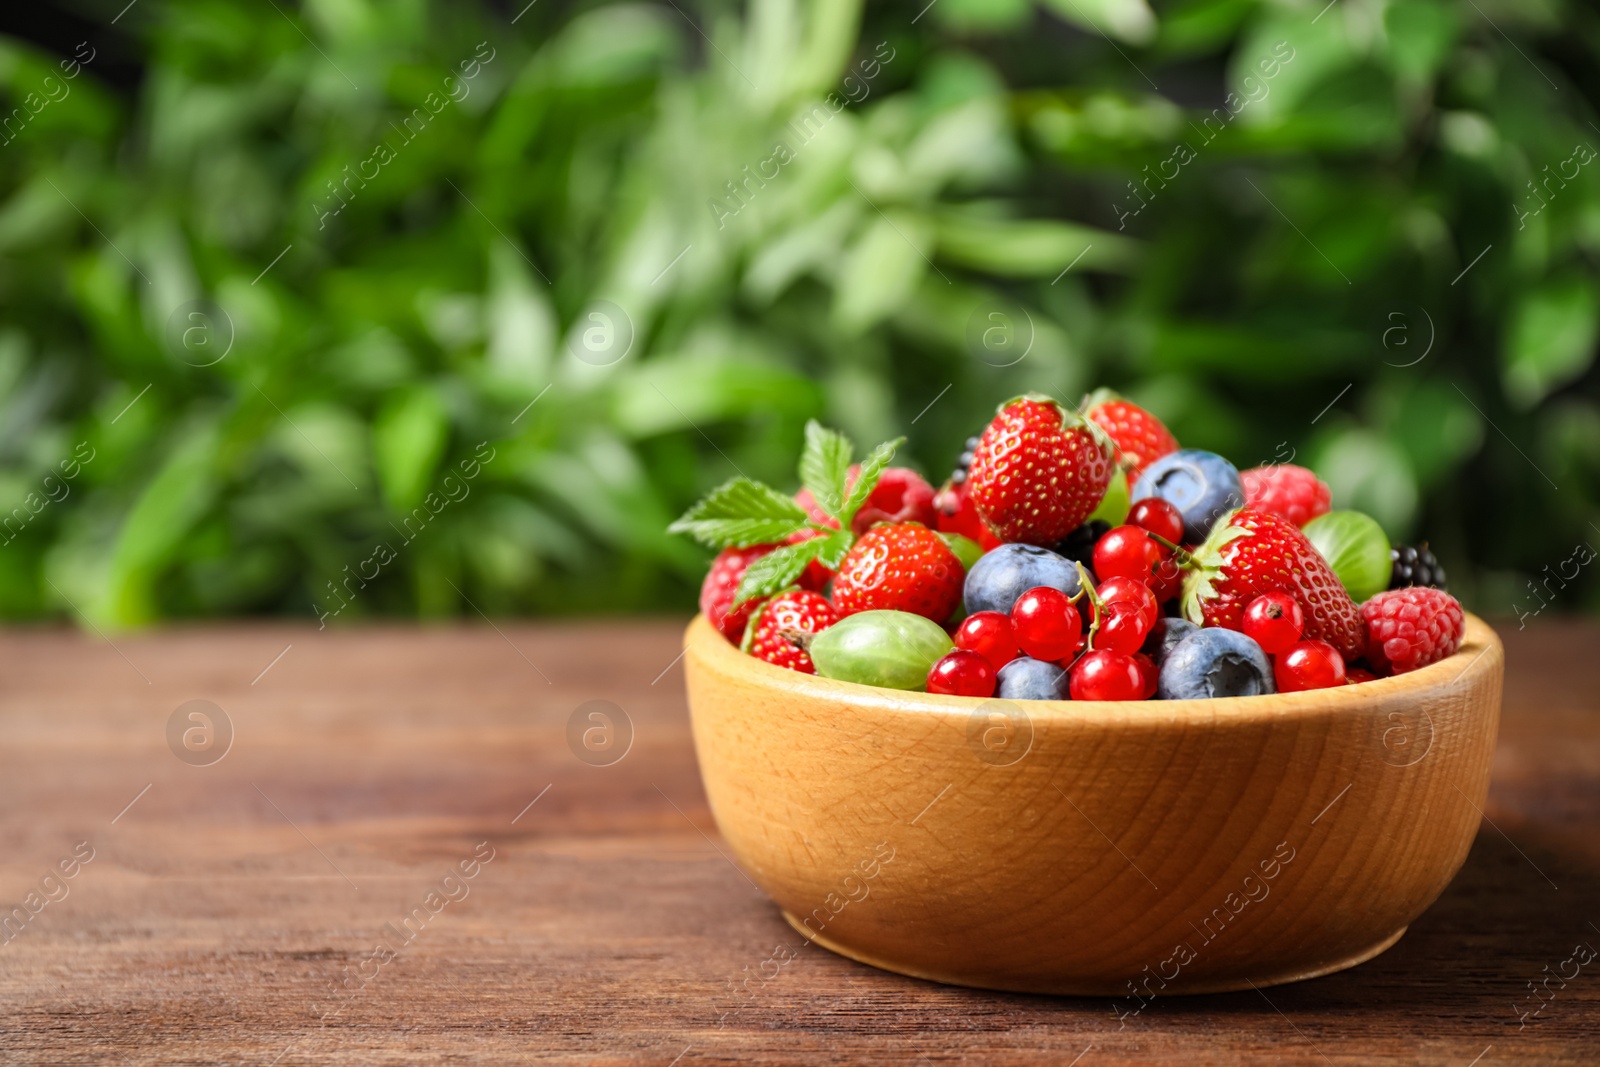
[(233, 908)]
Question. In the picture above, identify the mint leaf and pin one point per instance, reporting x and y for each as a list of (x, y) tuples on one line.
[(871, 470), (775, 570), (833, 547), (825, 465), (739, 513)]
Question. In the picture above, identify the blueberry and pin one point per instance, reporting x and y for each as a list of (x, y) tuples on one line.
[(1001, 576), (1201, 485), (1214, 662), (1031, 679), (1164, 637)]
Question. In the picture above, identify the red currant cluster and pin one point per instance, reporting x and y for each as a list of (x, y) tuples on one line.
[(1275, 622), (1138, 565)]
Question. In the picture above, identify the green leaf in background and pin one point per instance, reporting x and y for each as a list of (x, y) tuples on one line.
[(1421, 34), (825, 465), (1551, 338), (1030, 248), (1371, 169), (408, 440), (1368, 473), (1126, 20), (741, 512), (157, 527), (984, 16), (881, 270)]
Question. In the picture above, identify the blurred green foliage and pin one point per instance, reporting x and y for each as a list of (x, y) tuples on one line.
[(1380, 255)]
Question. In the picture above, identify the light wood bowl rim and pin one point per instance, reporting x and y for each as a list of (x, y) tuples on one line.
[(707, 644)]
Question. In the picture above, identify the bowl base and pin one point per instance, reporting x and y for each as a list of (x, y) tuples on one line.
[(1095, 989)]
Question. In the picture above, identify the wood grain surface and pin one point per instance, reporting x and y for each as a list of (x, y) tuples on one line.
[(306, 898)]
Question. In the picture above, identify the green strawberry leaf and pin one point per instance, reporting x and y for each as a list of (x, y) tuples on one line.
[(833, 547), (872, 469), (1199, 585), (776, 569), (740, 513), (825, 465)]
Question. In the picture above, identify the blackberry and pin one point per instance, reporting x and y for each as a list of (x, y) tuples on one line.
[(1415, 566), (963, 462), (1079, 544)]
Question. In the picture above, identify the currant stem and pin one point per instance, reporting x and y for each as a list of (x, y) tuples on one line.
[(1086, 588), (1184, 557)]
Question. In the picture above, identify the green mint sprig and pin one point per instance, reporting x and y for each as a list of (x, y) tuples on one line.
[(742, 512)]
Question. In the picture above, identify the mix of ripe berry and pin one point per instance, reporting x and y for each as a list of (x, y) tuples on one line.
[(1069, 556)]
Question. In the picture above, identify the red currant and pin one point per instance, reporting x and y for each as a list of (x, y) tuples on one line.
[(1167, 580), (1159, 517), (1126, 552), (1274, 621), (1106, 675), (1123, 628), (1132, 591), (1147, 670), (1356, 675), (1046, 624), (988, 633), (1309, 665), (962, 674)]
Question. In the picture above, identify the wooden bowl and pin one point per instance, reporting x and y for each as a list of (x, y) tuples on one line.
[(1122, 850)]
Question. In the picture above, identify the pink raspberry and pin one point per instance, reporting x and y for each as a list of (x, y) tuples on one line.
[(1291, 492), (722, 581), (901, 495), (1412, 627)]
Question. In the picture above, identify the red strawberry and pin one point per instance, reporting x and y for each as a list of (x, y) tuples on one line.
[(722, 581), (1140, 437), (1411, 628), (1285, 489), (1252, 552), (901, 495), (798, 609), (900, 567), (1038, 471)]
